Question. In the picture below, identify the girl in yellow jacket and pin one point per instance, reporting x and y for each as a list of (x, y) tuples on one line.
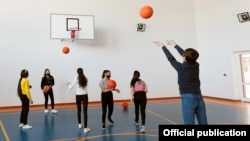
[(23, 91)]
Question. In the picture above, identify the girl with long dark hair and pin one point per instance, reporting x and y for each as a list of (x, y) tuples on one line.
[(48, 80), (81, 83), (23, 91), (138, 94)]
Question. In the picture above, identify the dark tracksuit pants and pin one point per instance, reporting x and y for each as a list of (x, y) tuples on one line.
[(48, 95), (25, 109), (82, 99), (140, 101), (107, 101)]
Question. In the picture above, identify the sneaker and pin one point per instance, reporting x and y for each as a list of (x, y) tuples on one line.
[(21, 125), (80, 126), (86, 130), (110, 120), (53, 111), (135, 122), (103, 126), (27, 126), (143, 129), (46, 111)]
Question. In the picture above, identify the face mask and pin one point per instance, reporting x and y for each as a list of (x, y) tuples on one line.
[(108, 76)]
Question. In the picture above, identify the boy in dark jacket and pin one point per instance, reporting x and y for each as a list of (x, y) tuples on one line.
[(189, 83)]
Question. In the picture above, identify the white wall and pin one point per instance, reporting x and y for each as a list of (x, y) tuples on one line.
[(219, 34), (26, 44)]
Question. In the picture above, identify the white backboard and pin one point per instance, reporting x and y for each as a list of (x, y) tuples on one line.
[(60, 24)]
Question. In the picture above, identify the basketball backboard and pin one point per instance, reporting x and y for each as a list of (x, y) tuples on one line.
[(61, 25)]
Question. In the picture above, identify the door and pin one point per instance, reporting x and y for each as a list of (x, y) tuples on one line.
[(244, 74)]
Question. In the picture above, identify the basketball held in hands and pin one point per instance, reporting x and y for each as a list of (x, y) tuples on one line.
[(46, 88), (111, 84)]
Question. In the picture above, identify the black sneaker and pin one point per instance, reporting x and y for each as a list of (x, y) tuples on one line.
[(110, 120), (103, 126)]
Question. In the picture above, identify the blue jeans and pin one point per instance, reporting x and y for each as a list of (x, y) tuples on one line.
[(193, 105)]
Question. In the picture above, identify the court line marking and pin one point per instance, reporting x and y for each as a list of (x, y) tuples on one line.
[(4, 132), (106, 135), (118, 134), (162, 117), (122, 134)]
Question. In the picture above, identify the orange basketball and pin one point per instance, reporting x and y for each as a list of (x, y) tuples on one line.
[(111, 84), (146, 12), (125, 105), (65, 50), (46, 88)]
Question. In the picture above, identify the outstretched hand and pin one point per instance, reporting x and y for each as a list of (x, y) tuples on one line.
[(117, 90), (158, 43), (171, 42)]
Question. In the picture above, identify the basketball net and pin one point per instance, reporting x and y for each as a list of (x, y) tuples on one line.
[(74, 34)]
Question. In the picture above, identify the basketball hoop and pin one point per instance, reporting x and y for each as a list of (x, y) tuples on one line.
[(74, 33)]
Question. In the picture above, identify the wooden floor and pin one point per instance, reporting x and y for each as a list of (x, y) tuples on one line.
[(236, 103)]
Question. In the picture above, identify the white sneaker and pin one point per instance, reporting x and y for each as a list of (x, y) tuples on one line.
[(80, 126), (46, 111), (21, 125), (143, 129), (86, 130), (136, 123), (54, 111), (27, 126)]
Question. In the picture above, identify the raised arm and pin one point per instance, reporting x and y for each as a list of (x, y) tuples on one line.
[(177, 47), (167, 53)]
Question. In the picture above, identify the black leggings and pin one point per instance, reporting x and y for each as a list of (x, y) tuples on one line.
[(82, 99), (25, 109), (107, 101), (140, 101), (46, 96)]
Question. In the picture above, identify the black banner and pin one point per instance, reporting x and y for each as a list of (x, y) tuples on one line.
[(202, 132)]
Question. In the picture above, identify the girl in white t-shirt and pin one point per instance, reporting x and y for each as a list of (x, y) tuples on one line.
[(81, 82)]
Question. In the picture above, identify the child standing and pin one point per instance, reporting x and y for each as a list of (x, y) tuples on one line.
[(48, 80), (23, 91), (189, 83), (81, 83), (138, 93), (107, 97)]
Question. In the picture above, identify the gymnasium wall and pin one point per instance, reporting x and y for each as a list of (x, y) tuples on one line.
[(117, 46), (219, 36)]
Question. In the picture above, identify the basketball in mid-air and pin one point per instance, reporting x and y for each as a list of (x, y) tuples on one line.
[(65, 50), (111, 84), (125, 105), (146, 12)]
